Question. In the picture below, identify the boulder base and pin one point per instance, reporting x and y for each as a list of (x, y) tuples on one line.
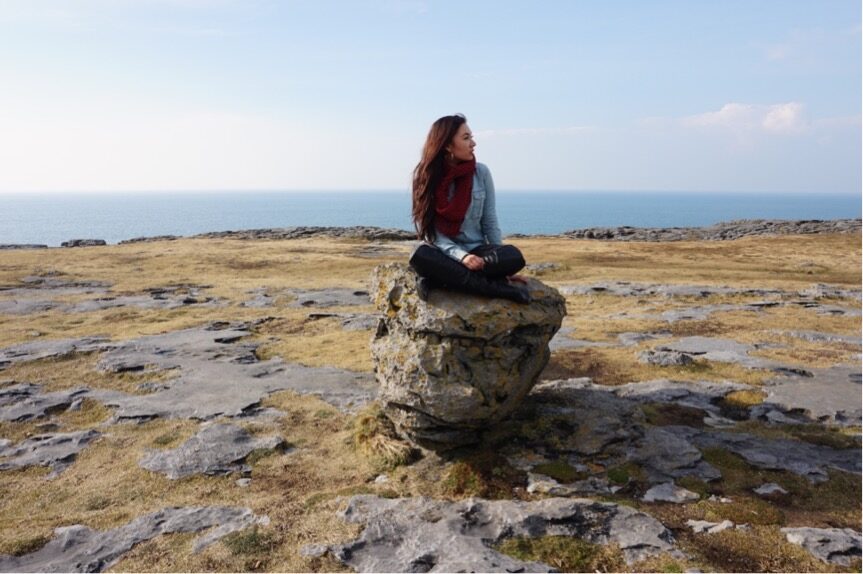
[(451, 366)]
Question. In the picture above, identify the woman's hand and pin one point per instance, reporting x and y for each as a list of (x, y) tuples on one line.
[(517, 279), (473, 262)]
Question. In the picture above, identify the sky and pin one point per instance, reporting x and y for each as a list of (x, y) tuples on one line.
[(685, 95)]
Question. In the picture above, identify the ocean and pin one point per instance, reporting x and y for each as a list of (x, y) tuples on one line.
[(50, 219)]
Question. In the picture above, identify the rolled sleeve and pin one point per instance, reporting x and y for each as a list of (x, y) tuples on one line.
[(448, 246)]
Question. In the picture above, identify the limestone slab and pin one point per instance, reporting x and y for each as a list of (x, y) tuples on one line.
[(78, 548), (216, 449), (425, 535), (830, 395), (56, 451), (832, 545), (669, 492), (809, 460)]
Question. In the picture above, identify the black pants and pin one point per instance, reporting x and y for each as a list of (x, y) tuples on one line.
[(432, 263)]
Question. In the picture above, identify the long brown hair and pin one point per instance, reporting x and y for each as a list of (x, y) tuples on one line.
[(428, 173)]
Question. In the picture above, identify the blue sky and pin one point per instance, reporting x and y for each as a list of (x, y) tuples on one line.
[(116, 95)]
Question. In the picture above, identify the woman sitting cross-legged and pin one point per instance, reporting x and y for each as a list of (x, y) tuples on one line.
[(454, 214)]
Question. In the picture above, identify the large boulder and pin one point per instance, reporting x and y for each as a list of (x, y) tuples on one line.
[(456, 364)]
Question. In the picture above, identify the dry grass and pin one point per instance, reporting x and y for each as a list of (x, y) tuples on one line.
[(301, 490)]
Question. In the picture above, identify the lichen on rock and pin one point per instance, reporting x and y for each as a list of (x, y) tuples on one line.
[(452, 366)]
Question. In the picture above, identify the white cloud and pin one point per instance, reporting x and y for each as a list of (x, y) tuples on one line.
[(785, 118)]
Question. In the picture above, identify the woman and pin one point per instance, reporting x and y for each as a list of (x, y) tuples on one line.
[(454, 213)]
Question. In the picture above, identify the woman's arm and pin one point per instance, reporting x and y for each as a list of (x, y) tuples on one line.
[(488, 223), (448, 246)]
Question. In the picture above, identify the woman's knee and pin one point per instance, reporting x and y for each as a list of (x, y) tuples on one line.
[(506, 260)]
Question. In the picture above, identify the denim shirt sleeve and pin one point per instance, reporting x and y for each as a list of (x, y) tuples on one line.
[(489, 223), (448, 246)]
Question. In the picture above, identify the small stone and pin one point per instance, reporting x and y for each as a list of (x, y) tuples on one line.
[(669, 492), (702, 526), (770, 488), (314, 550), (722, 499), (382, 479), (244, 482), (665, 358)]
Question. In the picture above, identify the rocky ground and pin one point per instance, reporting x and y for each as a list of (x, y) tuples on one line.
[(209, 404)]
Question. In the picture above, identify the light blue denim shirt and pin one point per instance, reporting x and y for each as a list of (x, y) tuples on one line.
[(480, 224)]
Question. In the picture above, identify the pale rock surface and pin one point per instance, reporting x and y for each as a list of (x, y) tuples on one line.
[(216, 449), (451, 367), (78, 548), (669, 492), (56, 451), (769, 488), (833, 545), (705, 527), (425, 535)]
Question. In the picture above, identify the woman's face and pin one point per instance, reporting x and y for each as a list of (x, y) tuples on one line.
[(462, 144)]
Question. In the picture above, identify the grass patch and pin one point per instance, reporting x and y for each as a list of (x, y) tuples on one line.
[(665, 414), (27, 545), (375, 436), (560, 471), (833, 437), (763, 549), (624, 473), (565, 553), (482, 473)]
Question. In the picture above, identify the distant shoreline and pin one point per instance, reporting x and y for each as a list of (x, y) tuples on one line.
[(727, 230)]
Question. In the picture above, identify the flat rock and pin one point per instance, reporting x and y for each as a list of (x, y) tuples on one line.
[(664, 455), (633, 339), (665, 358), (83, 243), (727, 351), (217, 449), (44, 349), (332, 297), (725, 230), (602, 422), (425, 535), (457, 363), (821, 337), (299, 232), (78, 548), (704, 527), (56, 451), (829, 396), (804, 459), (629, 289), (351, 321), (832, 545), (541, 484), (24, 402), (217, 373), (768, 489), (669, 492), (563, 340), (10, 246)]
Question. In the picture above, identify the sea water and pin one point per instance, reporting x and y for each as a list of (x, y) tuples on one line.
[(53, 218)]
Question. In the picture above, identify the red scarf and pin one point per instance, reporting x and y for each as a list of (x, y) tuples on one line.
[(449, 215)]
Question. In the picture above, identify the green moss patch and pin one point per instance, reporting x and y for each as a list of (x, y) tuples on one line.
[(665, 414), (567, 554), (482, 473), (560, 471)]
